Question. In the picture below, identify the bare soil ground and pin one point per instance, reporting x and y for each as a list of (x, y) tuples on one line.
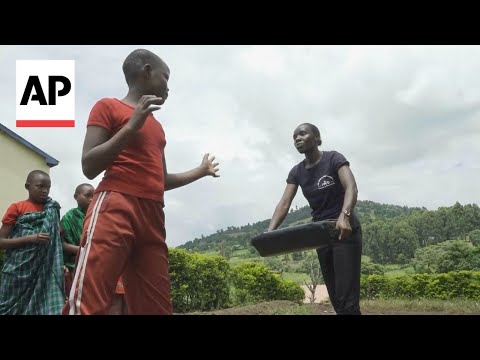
[(282, 307)]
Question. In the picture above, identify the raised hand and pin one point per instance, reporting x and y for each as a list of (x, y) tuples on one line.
[(209, 166)]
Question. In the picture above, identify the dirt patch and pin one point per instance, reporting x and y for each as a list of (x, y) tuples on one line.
[(321, 294)]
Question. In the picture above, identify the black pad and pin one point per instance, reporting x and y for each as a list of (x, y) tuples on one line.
[(295, 238)]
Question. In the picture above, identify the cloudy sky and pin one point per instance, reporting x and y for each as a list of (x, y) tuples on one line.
[(406, 117)]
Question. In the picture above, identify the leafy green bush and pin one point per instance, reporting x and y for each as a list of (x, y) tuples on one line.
[(369, 268), (445, 286), (254, 282), (198, 282)]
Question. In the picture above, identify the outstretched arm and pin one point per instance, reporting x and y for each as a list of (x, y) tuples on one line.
[(283, 206), (206, 168)]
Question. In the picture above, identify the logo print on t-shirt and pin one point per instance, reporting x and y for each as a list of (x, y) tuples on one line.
[(325, 181)]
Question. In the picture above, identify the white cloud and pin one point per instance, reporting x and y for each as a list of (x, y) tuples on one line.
[(405, 116)]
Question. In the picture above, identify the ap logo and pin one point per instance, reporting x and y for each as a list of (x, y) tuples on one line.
[(45, 93)]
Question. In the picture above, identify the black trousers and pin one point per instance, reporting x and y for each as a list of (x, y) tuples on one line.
[(340, 264)]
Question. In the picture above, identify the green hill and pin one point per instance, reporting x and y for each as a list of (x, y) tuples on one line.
[(239, 237), (393, 236)]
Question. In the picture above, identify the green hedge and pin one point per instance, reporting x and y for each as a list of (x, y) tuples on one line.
[(198, 282), (254, 282), (447, 286), (201, 282)]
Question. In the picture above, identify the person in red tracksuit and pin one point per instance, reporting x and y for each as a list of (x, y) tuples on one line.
[(124, 229)]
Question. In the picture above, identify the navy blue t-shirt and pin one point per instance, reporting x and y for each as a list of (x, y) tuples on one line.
[(321, 185)]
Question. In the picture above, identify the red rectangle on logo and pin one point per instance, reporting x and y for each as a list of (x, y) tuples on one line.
[(45, 123)]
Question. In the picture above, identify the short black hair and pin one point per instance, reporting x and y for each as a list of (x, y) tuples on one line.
[(35, 173), (315, 131), (135, 61), (79, 187)]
